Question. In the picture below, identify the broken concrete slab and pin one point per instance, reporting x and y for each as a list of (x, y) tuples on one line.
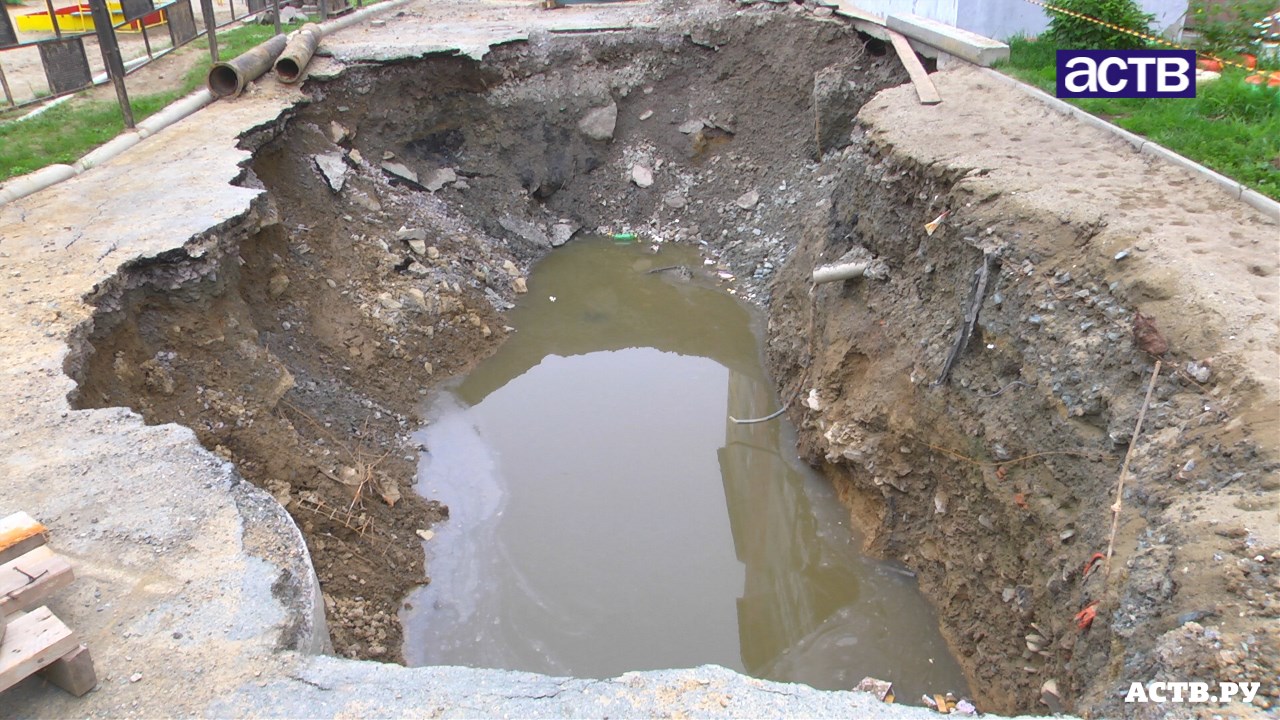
[(401, 172), (562, 232), (439, 178), (963, 44), (333, 167)]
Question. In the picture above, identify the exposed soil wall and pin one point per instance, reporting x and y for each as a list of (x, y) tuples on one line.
[(996, 485)]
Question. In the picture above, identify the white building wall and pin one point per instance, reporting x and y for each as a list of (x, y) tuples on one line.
[(1001, 19)]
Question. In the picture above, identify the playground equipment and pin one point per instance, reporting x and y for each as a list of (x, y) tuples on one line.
[(78, 18)]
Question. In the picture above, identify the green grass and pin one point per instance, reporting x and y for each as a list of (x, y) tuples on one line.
[(1231, 127), (66, 133)]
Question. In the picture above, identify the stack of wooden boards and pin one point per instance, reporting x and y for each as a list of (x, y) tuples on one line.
[(33, 639)]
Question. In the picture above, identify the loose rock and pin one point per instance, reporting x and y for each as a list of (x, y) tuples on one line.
[(641, 176), (333, 168), (600, 123)]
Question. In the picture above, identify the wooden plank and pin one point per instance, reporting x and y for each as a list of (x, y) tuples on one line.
[(33, 641), (73, 672), (925, 90), (19, 533), (51, 571)]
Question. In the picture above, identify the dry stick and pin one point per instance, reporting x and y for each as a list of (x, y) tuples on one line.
[(1124, 470)]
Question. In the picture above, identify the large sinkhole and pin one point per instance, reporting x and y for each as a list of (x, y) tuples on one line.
[(609, 513), (403, 208)]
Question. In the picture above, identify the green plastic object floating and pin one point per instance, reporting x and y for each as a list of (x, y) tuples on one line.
[(624, 237)]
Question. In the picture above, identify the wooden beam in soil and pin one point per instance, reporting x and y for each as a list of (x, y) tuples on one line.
[(925, 89)]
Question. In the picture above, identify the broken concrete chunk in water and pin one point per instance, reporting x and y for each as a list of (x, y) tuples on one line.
[(641, 176), (439, 178), (333, 168), (398, 171), (561, 233), (882, 689), (600, 123), (520, 285), (690, 127), (748, 200)]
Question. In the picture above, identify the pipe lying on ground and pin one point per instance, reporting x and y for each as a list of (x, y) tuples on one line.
[(174, 112), (103, 153), (34, 182), (832, 273), (228, 79), (297, 53)]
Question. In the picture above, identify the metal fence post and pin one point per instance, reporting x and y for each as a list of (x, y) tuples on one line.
[(111, 56), (210, 27), (53, 18)]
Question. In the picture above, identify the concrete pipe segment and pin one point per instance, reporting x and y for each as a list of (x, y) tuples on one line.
[(297, 53), (227, 79)]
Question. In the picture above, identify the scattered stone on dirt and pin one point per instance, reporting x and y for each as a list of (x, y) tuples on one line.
[(641, 176), (400, 171), (440, 177), (599, 123), (691, 126), (334, 169), (748, 200)]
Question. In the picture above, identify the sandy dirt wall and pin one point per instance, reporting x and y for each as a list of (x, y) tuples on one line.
[(997, 484)]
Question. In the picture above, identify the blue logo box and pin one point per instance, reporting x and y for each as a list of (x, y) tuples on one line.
[(1126, 74)]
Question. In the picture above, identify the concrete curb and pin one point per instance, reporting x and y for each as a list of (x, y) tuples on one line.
[(346, 21), (1233, 188), (24, 185)]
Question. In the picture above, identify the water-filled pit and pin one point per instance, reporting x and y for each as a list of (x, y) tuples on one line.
[(609, 515)]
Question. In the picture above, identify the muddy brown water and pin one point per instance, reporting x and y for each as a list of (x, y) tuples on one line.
[(607, 515)]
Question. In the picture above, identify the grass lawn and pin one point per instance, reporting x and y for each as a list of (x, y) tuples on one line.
[(66, 133), (1230, 126)]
